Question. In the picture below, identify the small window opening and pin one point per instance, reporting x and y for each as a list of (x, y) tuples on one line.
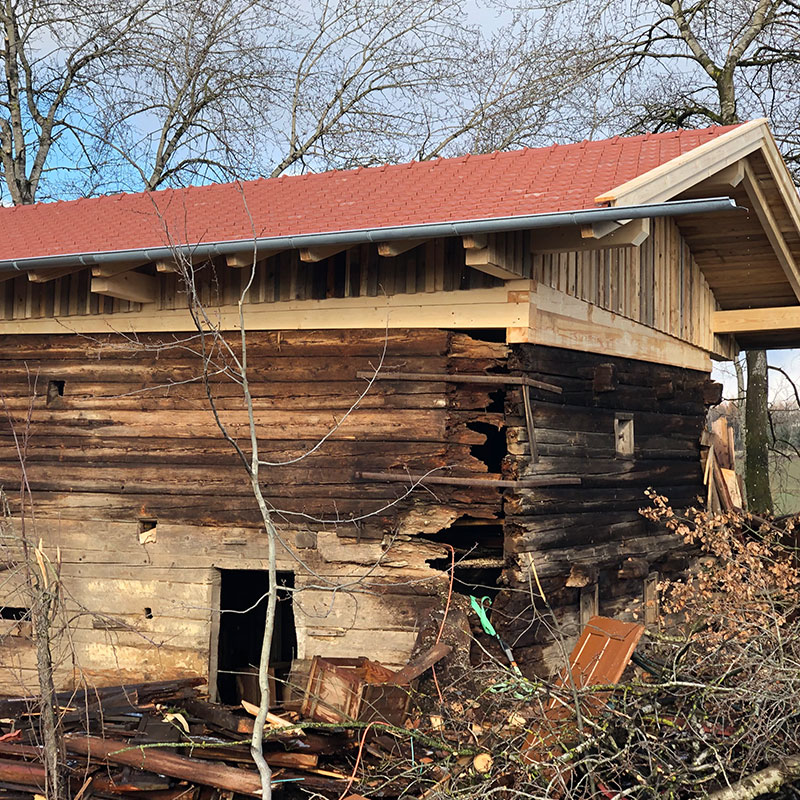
[(13, 612), (243, 607), (55, 389), (148, 612), (494, 449), (479, 557), (147, 525), (623, 435)]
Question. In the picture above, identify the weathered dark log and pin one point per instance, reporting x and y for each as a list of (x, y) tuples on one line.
[(150, 759), (22, 773), (446, 480), (492, 380)]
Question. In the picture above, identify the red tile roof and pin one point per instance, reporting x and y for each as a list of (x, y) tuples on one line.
[(531, 181)]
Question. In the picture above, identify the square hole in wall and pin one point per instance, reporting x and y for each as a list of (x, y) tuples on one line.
[(147, 530), (55, 389), (623, 435)]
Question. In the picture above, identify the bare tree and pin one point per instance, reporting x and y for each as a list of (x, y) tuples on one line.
[(49, 53), (182, 106), (662, 64)]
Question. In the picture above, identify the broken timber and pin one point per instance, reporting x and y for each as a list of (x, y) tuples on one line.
[(499, 380), (492, 483)]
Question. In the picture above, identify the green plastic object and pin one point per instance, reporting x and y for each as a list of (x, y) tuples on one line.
[(478, 606)]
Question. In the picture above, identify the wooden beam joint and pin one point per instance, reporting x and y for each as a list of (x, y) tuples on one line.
[(312, 255), (393, 249), (133, 286)]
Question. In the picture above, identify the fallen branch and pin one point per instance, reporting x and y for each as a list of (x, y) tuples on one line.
[(761, 782)]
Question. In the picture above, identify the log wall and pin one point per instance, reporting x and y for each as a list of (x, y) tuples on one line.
[(134, 489), (128, 441), (594, 532)]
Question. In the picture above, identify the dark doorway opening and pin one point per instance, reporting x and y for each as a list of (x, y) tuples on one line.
[(243, 612)]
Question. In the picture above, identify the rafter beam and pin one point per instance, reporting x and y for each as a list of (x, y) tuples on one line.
[(245, 258), (771, 228), (133, 286), (109, 270), (46, 275), (556, 240), (601, 229), (313, 254), (728, 178), (501, 256), (477, 241), (392, 249), (755, 320)]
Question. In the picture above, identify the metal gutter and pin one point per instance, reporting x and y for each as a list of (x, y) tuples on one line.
[(428, 230)]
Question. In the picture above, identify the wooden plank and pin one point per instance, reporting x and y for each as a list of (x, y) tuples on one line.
[(772, 229), (246, 258), (134, 286), (46, 275), (109, 270), (559, 320), (754, 320), (312, 255), (588, 603), (650, 599), (393, 249), (681, 173), (422, 663), (498, 307), (555, 240), (489, 483)]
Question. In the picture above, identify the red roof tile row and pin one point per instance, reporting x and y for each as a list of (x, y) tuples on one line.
[(531, 181)]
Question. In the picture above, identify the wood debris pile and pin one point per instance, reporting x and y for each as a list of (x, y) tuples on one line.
[(358, 727), (163, 741)]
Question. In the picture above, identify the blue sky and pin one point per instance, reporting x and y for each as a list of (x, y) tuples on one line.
[(779, 388)]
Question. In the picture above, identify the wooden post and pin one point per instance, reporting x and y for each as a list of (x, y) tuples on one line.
[(650, 599), (589, 603)]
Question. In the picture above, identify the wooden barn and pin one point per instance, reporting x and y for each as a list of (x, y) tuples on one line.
[(487, 358)]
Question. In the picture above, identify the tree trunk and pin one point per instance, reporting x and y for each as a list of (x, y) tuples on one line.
[(759, 497), (56, 787)]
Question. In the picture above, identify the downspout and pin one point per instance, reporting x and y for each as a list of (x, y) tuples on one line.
[(428, 230)]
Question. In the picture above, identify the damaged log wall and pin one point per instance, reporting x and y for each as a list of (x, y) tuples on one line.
[(146, 501), (589, 541)]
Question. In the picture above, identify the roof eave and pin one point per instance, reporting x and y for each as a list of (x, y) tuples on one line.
[(429, 230)]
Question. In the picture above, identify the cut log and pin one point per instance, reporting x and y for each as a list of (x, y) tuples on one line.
[(422, 663), (19, 772), (763, 782), (190, 769)]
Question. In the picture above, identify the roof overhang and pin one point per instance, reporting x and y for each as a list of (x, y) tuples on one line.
[(751, 261), (471, 227)]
